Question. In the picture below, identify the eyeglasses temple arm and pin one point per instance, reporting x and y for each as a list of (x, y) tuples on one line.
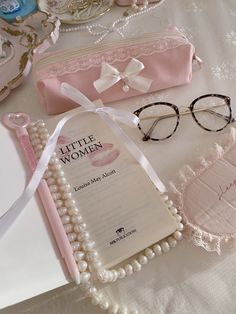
[(226, 118), (149, 132)]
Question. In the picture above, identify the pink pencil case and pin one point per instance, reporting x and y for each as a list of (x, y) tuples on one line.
[(116, 70)]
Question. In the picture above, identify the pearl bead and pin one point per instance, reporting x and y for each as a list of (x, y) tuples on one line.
[(113, 309), (129, 269), (97, 264), (58, 174), (56, 196), (51, 181), (80, 228), (125, 88), (58, 203), (48, 174), (76, 246), (33, 129), (79, 255), (77, 219), (82, 266), (39, 147), (71, 236), (123, 310), (102, 275), (104, 305), (142, 259), (33, 136), (68, 228), (165, 246), (173, 210), (85, 286), (178, 218), (114, 275), (62, 211), (88, 245), (95, 300), (169, 203), (53, 161), (83, 236), (57, 167), (66, 196), (43, 136), (136, 266), (180, 226), (91, 256), (69, 202), (40, 124), (172, 242), (157, 249), (35, 142), (65, 187), (44, 142), (121, 273), (178, 235), (42, 130), (61, 181), (65, 219), (73, 211), (91, 291), (109, 276), (53, 187), (164, 197), (84, 277), (149, 253)]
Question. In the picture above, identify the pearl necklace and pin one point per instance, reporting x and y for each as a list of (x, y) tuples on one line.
[(117, 26), (86, 256)]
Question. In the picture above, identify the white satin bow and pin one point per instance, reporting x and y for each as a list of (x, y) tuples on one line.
[(110, 76)]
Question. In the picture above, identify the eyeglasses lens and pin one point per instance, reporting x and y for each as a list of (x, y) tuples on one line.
[(158, 121), (212, 113)]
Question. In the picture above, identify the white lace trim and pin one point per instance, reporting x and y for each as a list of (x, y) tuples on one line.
[(194, 233), (112, 55)]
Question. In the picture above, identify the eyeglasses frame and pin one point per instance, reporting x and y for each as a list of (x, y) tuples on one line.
[(191, 111)]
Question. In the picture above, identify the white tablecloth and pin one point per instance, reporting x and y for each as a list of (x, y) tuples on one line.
[(188, 279)]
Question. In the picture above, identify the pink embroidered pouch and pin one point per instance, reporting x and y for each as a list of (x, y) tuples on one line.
[(115, 71), (205, 195)]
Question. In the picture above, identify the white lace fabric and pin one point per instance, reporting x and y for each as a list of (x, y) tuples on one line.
[(67, 62)]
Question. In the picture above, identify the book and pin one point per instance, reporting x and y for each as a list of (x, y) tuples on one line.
[(121, 207)]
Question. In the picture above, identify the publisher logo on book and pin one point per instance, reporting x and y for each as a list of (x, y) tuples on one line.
[(122, 234)]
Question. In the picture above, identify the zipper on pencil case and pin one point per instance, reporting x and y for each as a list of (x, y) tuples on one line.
[(77, 52)]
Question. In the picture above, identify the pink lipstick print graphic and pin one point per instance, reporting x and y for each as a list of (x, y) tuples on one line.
[(104, 156)]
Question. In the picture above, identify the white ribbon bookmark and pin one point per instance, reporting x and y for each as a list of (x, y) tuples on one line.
[(110, 76), (110, 115)]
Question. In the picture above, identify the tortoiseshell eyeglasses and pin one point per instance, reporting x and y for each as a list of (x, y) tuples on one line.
[(159, 121)]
